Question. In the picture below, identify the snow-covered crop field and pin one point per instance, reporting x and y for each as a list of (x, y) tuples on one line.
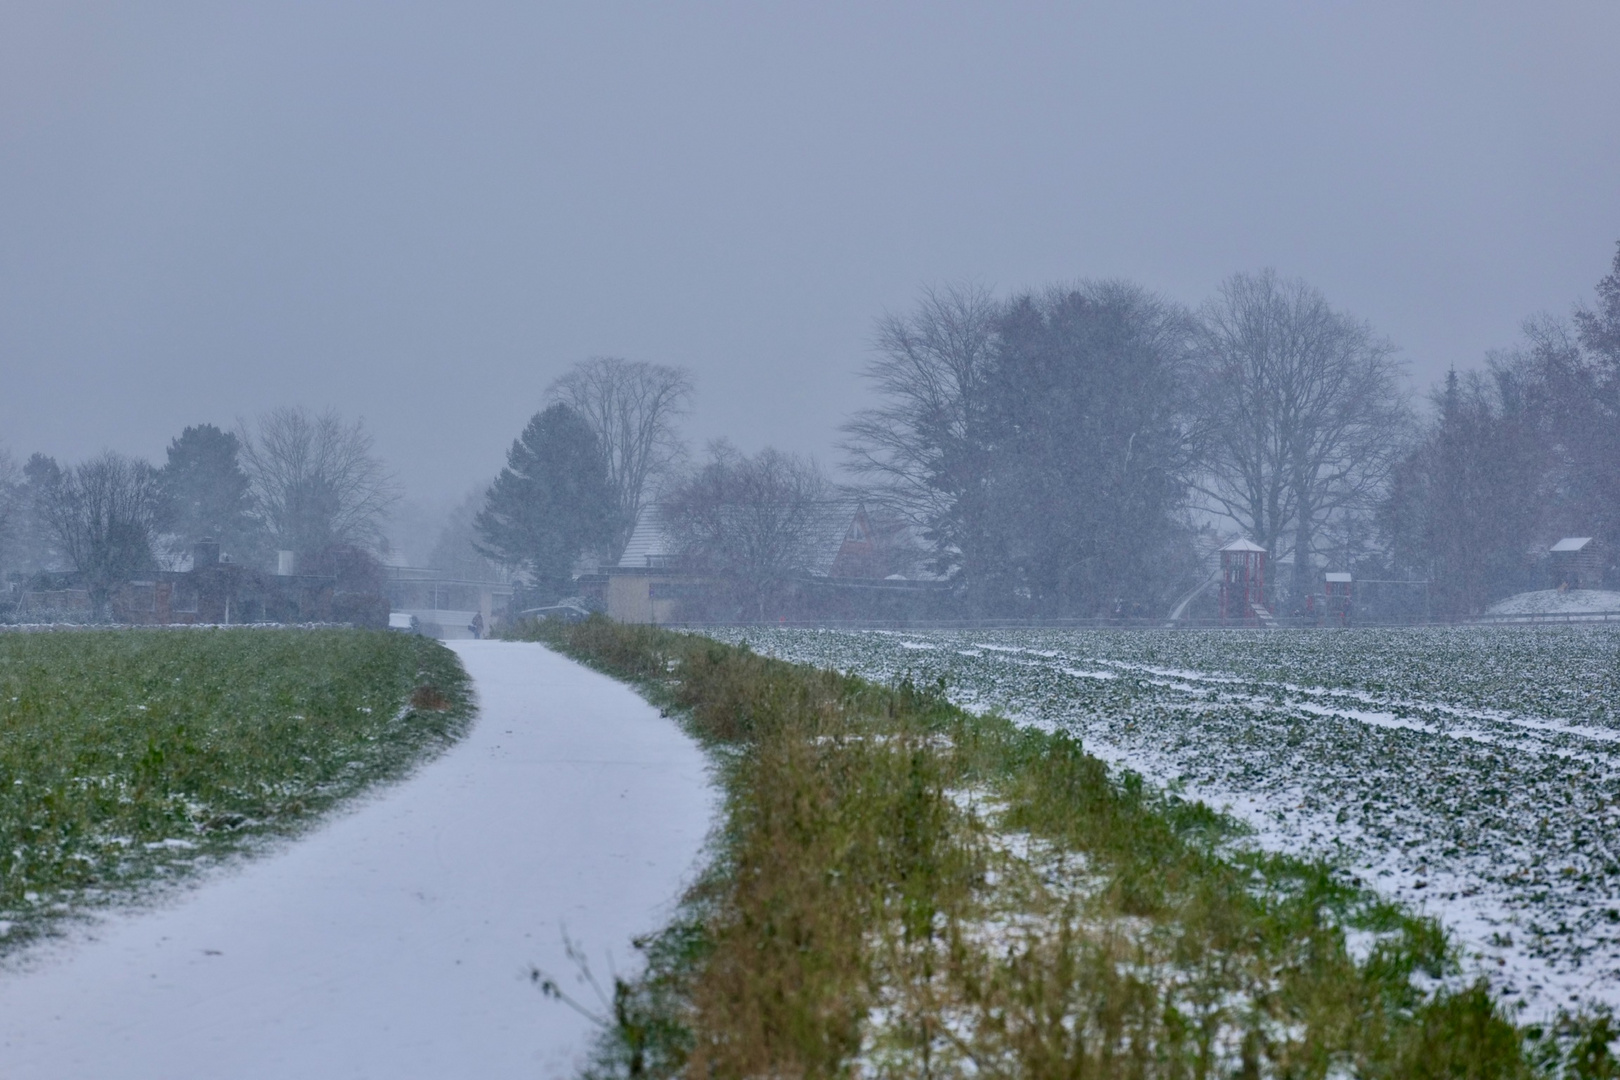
[(1472, 772)]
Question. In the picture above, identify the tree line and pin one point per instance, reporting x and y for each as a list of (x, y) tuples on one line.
[(292, 481), (1069, 451), (606, 448), (1082, 449), (1062, 447), (1517, 454)]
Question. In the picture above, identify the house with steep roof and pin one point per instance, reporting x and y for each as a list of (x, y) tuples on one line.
[(645, 584)]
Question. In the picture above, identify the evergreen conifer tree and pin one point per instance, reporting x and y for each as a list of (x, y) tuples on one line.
[(552, 502), (205, 491)]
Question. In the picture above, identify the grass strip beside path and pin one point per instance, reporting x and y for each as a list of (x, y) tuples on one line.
[(902, 888), (127, 756)]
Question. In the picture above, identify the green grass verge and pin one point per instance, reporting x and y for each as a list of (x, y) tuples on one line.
[(128, 756), (902, 888)]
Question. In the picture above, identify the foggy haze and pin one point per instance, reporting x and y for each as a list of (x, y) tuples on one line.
[(423, 216)]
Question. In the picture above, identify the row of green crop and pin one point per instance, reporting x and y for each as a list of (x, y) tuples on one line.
[(903, 888), (1566, 672), (127, 756)]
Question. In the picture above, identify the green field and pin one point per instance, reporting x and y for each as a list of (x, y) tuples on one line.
[(902, 888), (128, 757)]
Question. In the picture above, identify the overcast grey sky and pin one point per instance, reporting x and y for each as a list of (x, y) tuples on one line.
[(422, 214)]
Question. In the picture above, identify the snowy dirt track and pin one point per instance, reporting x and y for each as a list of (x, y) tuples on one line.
[(395, 941)]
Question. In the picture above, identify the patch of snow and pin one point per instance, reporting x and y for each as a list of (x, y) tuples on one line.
[(1554, 602)]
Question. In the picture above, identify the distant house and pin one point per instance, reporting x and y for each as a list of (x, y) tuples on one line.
[(852, 554), (343, 586), (1576, 562), (646, 584)]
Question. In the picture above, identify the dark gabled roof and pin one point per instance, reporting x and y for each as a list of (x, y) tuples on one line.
[(829, 527)]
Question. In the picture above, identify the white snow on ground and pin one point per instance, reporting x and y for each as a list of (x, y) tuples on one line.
[(1553, 602), (395, 941)]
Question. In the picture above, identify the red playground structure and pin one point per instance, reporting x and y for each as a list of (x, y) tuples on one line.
[(1243, 583), (1338, 597)]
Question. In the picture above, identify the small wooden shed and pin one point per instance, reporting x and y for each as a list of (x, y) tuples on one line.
[(1576, 562)]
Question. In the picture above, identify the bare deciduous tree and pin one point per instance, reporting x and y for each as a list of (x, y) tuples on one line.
[(1303, 414), (103, 513), (632, 406), (750, 521), (918, 448), (315, 481)]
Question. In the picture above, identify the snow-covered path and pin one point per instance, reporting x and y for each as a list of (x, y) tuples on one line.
[(395, 941)]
